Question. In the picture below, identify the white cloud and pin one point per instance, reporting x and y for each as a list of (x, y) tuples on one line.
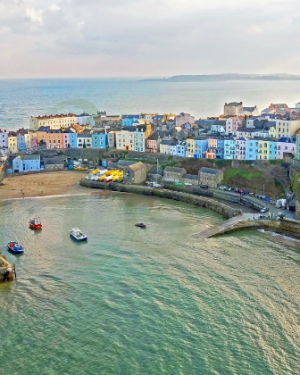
[(54, 8), (35, 15)]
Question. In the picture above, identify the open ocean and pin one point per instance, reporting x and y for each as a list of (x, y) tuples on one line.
[(20, 99), (159, 301)]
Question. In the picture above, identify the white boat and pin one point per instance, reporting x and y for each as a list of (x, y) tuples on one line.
[(77, 235)]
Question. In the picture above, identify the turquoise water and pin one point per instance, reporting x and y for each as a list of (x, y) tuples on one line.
[(20, 99), (135, 301)]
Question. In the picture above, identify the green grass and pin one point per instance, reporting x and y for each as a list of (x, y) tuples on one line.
[(232, 172)]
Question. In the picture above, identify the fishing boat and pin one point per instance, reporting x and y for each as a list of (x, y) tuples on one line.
[(77, 235), (35, 223), (14, 247), (141, 225)]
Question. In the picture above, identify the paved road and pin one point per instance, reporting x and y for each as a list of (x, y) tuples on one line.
[(272, 208)]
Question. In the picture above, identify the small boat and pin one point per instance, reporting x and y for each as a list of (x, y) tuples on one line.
[(14, 247), (35, 223), (141, 225), (77, 235)]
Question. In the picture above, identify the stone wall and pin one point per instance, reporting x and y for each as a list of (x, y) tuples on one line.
[(201, 201), (6, 271)]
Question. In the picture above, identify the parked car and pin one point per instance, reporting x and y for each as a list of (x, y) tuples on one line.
[(246, 192), (188, 184), (204, 186), (241, 191), (236, 190), (222, 187), (251, 193), (265, 209)]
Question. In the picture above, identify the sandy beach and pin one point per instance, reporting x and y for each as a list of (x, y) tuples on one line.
[(41, 184)]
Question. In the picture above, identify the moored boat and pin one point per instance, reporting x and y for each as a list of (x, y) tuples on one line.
[(140, 225), (35, 223), (77, 235), (14, 247)]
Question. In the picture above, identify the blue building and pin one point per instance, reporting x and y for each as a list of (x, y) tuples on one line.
[(200, 147), (272, 150), (229, 148), (69, 139), (128, 120), (181, 148), (220, 149), (252, 147), (173, 149), (26, 163), (21, 142), (99, 140)]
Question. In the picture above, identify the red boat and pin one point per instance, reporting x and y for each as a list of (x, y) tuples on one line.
[(35, 223)]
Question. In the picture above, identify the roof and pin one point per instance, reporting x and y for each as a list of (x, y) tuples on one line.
[(234, 104), (29, 157), (130, 117), (43, 129), (174, 169), (136, 166), (209, 170), (190, 176), (286, 140), (166, 142), (250, 109), (85, 136), (54, 160), (124, 163)]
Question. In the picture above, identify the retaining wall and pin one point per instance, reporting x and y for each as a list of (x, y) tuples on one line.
[(201, 201)]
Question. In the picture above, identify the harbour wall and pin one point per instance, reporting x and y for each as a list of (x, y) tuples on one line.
[(286, 227), (201, 201)]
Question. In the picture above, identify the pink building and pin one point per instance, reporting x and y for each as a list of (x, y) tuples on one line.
[(183, 118), (285, 145), (233, 124), (66, 140)]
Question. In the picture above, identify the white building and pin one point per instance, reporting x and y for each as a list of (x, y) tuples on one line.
[(54, 122)]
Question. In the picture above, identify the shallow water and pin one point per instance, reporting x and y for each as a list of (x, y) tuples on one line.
[(135, 301)]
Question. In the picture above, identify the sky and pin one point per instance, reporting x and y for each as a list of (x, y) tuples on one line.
[(147, 38)]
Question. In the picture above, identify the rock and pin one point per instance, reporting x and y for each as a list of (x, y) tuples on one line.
[(6, 271)]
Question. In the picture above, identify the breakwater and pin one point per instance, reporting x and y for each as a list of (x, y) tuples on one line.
[(201, 201), (6, 270), (287, 227)]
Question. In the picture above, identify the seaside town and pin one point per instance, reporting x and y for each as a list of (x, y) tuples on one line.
[(240, 133)]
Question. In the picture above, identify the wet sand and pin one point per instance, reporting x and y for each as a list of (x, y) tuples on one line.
[(41, 184)]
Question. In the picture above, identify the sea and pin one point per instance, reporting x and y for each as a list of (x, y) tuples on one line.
[(20, 99), (133, 301)]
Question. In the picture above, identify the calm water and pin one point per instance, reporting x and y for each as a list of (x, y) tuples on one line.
[(20, 99), (155, 301)]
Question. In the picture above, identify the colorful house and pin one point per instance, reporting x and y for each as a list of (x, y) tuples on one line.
[(25, 163), (128, 120), (12, 143), (285, 146), (263, 151), (84, 141), (252, 149), (272, 149), (181, 148), (190, 147), (139, 139), (54, 139), (240, 149), (297, 156), (99, 140), (229, 148), (3, 141), (201, 146), (69, 139), (164, 147)]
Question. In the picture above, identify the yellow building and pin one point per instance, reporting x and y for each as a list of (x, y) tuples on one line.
[(263, 149), (54, 122), (287, 128), (190, 149), (12, 144), (212, 143)]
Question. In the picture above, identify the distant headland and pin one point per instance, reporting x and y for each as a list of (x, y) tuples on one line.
[(228, 77)]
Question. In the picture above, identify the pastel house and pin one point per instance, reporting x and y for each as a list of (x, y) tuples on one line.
[(128, 120), (99, 140), (286, 146), (26, 163)]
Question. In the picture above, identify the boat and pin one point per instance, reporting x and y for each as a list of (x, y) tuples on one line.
[(77, 235), (141, 225), (35, 223), (81, 168), (14, 247)]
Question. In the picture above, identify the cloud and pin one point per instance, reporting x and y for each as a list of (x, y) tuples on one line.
[(159, 37), (34, 15)]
